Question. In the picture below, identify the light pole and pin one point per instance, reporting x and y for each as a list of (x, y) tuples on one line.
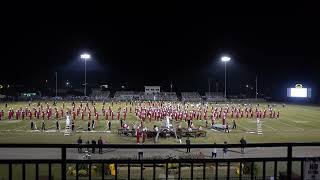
[(256, 87), (86, 57), (225, 59), (56, 84)]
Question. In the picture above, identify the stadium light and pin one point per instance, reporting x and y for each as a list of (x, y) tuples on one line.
[(225, 59), (86, 57)]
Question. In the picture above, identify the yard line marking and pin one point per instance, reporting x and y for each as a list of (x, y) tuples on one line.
[(21, 127), (243, 127), (270, 127), (290, 125)]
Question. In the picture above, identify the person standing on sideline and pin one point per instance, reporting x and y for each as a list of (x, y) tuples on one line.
[(43, 126), (79, 145), (57, 125), (100, 145), (89, 126), (227, 128), (214, 151), (225, 150), (121, 123), (243, 142), (188, 145), (109, 125), (72, 126), (234, 124), (92, 124), (32, 125)]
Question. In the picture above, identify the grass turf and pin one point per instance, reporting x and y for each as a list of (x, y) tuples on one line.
[(297, 123)]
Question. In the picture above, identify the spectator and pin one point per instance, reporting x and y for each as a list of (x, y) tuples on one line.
[(88, 143), (214, 151), (243, 142), (188, 144), (94, 143), (79, 145), (100, 144), (140, 154), (225, 150)]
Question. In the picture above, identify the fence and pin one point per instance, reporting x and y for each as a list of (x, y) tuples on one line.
[(129, 163)]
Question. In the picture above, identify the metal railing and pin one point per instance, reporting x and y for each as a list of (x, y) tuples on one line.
[(203, 162)]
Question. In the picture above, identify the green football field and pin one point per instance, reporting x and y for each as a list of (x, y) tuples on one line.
[(297, 123)]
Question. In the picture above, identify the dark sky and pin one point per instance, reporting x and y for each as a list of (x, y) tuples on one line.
[(154, 44)]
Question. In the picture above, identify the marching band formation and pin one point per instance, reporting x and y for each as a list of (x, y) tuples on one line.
[(144, 111)]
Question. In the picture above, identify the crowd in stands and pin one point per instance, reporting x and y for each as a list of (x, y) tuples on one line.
[(168, 96), (126, 95), (214, 96), (97, 94), (131, 95), (190, 96)]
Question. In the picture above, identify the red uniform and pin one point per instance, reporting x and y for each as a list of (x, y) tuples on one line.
[(30, 115), (82, 115), (124, 116), (138, 136)]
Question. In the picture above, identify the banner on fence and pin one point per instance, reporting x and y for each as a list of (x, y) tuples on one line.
[(311, 170)]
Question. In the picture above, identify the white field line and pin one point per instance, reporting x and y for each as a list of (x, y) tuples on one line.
[(270, 127), (291, 125), (247, 129), (21, 127)]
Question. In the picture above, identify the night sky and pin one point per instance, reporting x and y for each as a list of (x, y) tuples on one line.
[(155, 44)]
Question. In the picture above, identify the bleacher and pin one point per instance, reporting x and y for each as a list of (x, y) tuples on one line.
[(132, 95), (168, 96), (190, 96), (149, 97), (214, 97), (126, 95), (97, 94)]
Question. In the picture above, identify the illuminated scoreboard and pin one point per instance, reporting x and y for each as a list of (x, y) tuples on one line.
[(299, 92)]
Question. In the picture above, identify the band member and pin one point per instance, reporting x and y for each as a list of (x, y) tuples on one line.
[(138, 135), (118, 115)]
